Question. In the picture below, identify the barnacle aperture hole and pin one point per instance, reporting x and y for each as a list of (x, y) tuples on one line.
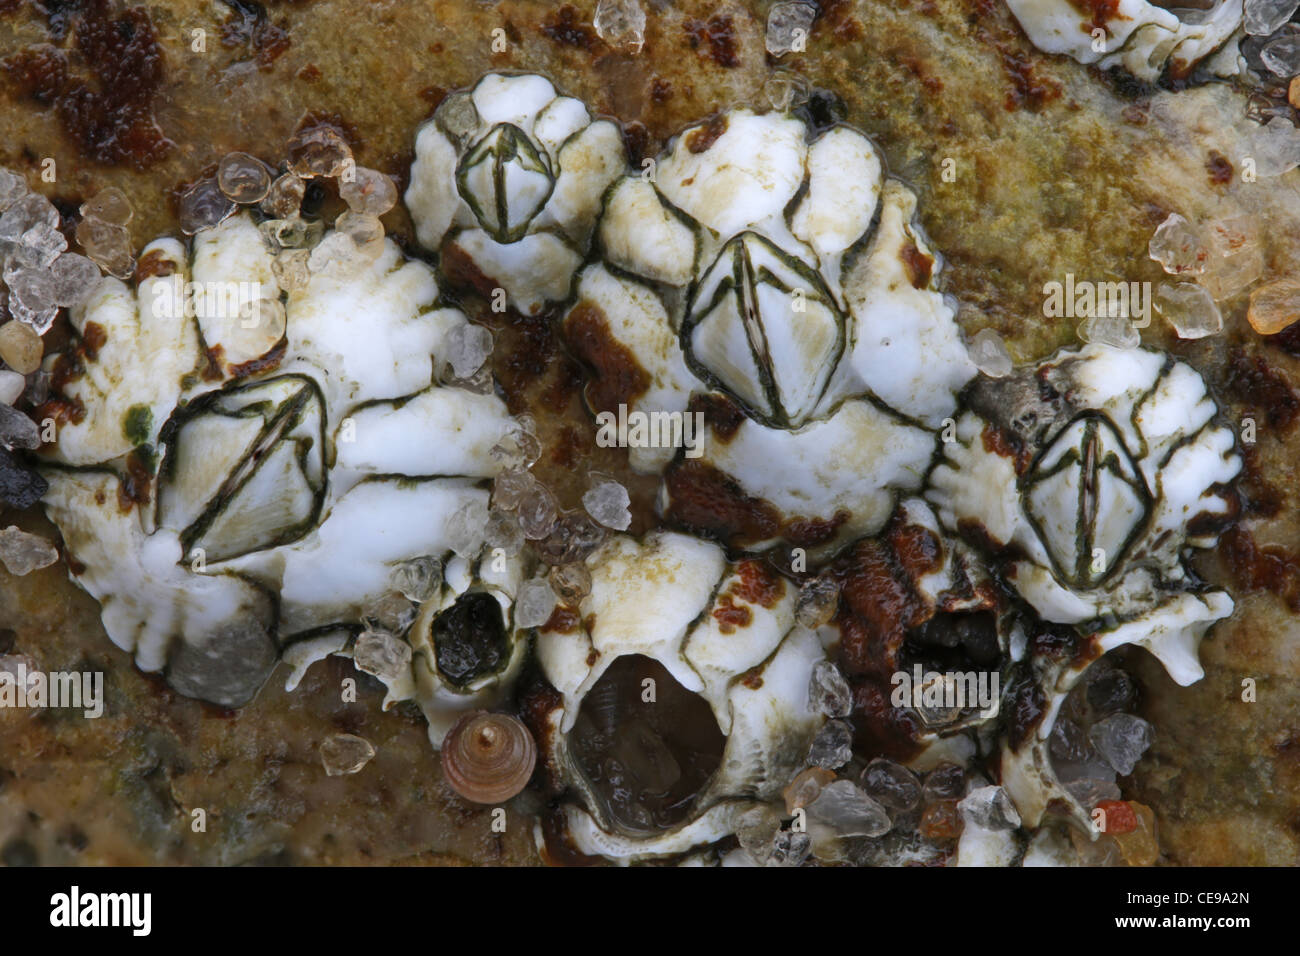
[(954, 643), (469, 639), (647, 756), (506, 180), (963, 640)]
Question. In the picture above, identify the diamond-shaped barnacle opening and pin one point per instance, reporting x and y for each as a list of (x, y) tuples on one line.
[(763, 326), (646, 761), (470, 640), (506, 180), (243, 467), (1087, 500)]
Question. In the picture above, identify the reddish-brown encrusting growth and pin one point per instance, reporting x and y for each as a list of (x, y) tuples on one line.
[(1251, 380), (108, 111), (619, 378), (716, 38)]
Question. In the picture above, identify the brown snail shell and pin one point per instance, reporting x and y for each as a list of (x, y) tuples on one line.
[(488, 758)]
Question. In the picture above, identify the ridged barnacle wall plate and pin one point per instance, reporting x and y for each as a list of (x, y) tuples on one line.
[(772, 281), (1146, 39), (231, 485), (1088, 478), (730, 720), (506, 186)]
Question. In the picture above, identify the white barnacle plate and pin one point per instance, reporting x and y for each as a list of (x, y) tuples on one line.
[(776, 274), (467, 650), (237, 485), (1142, 37), (1088, 479), (724, 721), (508, 177)]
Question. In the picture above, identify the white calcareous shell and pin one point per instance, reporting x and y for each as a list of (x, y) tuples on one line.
[(441, 698), (1142, 37), (657, 598), (510, 175), (1101, 487), (1090, 477), (148, 348), (270, 502), (782, 274)]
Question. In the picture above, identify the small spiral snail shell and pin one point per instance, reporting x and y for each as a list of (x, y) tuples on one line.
[(488, 758)]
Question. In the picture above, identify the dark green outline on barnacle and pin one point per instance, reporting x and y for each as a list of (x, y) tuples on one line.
[(277, 421), (743, 282), (1082, 575), (501, 144)]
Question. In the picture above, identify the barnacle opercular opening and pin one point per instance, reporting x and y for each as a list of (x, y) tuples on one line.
[(1086, 500), (469, 639), (763, 326), (960, 658), (243, 467), (506, 180), (646, 759)]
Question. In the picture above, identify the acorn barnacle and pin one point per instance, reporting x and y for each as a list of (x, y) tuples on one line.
[(1087, 480), (506, 185), (771, 281), (683, 696), (234, 488)]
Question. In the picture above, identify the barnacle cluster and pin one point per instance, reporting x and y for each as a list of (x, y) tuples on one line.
[(267, 500), (322, 466)]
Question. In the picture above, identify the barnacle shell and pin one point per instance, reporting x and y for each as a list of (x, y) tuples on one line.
[(508, 177), (1088, 478), (287, 485), (1143, 38), (726, 633), (782, 284), (488, 758), (483, 590)]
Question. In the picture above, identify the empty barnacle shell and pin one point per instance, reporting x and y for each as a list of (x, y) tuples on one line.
[(231, 490), (774, 287), (488, 758), (468, 651), (1036, 691), (924, 634), (682, 697), (507, 183), (1145, 38)]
